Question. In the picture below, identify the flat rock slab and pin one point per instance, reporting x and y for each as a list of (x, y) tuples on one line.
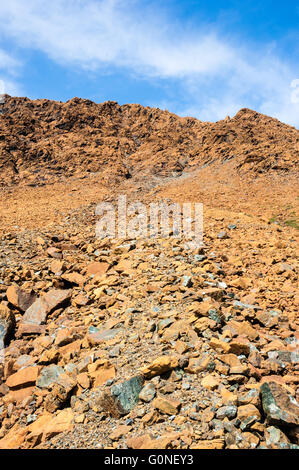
[(102, 336), (40, 309), (97, 268), (20, 298), (25, 377)]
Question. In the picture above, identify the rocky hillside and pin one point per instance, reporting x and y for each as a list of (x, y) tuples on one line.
[(46, 140), (142, 343)]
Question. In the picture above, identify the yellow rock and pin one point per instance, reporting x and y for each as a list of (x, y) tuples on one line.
[(14, 439), (219, 345), (170, 407), (160, 365), (228, 398), (210, 381), (213, 444), (246, 411)]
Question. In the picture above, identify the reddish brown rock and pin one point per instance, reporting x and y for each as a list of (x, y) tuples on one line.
[(96, 268), (74, 278), (20, 298), (54, 252), (39, 310), (28, 329)]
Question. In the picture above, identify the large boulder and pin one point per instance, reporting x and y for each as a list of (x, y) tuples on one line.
[(40, 309), (280, 408)]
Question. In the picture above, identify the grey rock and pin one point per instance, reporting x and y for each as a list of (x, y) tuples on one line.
[(121, 398), (279, 407), (187, 281), (222, 235), (229, 412), (148, 392), (243, 306), (49, 375)]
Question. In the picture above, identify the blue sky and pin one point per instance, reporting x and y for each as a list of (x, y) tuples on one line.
[(199, 58)]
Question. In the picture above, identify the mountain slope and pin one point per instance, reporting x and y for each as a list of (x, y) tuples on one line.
[(44, 140)]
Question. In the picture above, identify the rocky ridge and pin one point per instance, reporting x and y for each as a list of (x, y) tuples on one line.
[(44, 141)]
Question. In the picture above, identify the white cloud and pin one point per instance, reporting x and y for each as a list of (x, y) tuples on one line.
[(8, 62), (97, 33), (217, 76), (9, 68)]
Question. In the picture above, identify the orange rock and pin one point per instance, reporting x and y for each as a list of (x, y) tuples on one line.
[(74, 278), (239, 346), (48, 426), (160, 366), (119, 432), (62, 422), (23, 378), (167, 406), (125, 267), (230, 359), (197, 365), (57, 267), (14, 438), (96, 268), (103, 372), (228, 398), (83, 380), (210, 381), (140, 442), (17, 396), (212, 444), (20, 298), (219, 345), (246, 411)]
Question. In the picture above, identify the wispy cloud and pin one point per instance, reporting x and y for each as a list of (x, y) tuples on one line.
[(9, 68), (217, 75)]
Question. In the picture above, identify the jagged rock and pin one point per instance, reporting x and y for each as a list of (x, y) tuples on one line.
[(120, 399), (229, 411), (39, 310), (60, 393), (96, 336), (280, 408), (148, 392), (165, 405), (49, 375), (160, 366), (20, 298)]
